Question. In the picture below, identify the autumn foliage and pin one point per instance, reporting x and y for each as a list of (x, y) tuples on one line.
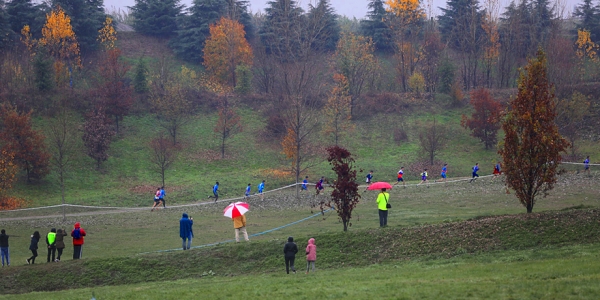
[(8, 171), (113, 93), (25, 143), (58, 37), (532, 145), (345, 189), (97, 135), (485, 120), (225, 49), (337, 110)]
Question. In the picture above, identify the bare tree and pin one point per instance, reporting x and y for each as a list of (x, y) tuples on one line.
[(62, 134), (229, 122), (432, 139), (163, 154)]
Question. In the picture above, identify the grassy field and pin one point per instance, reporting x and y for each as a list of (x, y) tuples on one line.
[(557, 273)]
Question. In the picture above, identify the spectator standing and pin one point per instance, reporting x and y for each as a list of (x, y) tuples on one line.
[(289, 252), (51, 243), (60, 243), (185, 230), (311, 255), (4, 248), (239, 224), (382, 205), (33, 246), (78, 235)]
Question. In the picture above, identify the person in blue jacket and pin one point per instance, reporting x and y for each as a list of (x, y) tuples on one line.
[(162, 196), (475, 170), (261, 188), (215, 192), (185, 230)]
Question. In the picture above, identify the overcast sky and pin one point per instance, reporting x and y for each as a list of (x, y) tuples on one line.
[(350, 8)]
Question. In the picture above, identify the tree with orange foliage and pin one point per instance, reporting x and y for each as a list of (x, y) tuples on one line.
[(8, 171), (532, 145), (58, 38), (107, 35), (26, 143), (229, 122), (225, 49), (337, 110), (485, 120), (355, 59)]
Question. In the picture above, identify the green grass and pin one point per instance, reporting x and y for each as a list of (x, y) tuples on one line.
[(563, 273)]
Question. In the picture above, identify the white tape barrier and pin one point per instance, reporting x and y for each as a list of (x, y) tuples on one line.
[(228, 200), (577, 163)]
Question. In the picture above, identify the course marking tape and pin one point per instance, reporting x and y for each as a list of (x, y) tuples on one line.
[(251, 235)]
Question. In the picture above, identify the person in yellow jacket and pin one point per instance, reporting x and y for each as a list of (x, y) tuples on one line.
[(239, 224), (50, 241), (382, 201)]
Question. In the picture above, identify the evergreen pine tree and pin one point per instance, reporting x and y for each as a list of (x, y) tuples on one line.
[(374, 26), (590, 19), (282, 28), (324, 19), (194, 27), (87, 17), (5, 31), (43, 72), (140, 81), (542, 17), (156, 17), (457, 19), (24, 12)]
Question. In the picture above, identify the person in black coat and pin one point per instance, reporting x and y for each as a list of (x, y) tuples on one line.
[(35, 238), (289, 251)]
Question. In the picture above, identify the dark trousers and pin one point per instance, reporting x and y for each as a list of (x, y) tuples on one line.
[(383, 218), (77, 252), (60, 250), (51, 252), (289, 262), (32, 258)]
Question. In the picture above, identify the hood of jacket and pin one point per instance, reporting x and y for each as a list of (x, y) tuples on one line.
[(77, 225), (311, 241), (185, 216), (290, 239)]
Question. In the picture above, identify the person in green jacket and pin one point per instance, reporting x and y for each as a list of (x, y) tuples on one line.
[(50, 241), (382, 201)]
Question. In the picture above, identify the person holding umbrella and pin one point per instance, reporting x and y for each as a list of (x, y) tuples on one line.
[(382, 201), (236, 212)]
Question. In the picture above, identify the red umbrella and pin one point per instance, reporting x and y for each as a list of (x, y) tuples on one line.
[(379, 185), (236, 209)]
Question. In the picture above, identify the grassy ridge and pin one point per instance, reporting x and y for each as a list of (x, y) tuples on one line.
[(335, 250)]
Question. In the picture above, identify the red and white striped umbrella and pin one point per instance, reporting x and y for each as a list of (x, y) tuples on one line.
[(236, 209)]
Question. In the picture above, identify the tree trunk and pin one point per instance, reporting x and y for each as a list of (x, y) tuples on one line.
[(62, 191), (529, 207)]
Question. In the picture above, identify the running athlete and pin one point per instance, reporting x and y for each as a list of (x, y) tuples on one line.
[(215, 192), (497, 170), (304, 184), (443, 174), (400, 179), (261, 187), (586, 164), (247, 193), (369, 179), (475, 169), (319, 185), (423, 177), (156, 199)]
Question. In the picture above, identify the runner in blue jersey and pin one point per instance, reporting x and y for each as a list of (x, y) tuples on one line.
[(247, 192), (304, 184), (369, 179), (215, 192), (443, 174), (423, 177), (586, 165), (475, 169), (261, 187)]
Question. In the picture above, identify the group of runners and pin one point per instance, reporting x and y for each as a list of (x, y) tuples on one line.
[(159, 196)]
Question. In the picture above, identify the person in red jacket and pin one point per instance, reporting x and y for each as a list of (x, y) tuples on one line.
[(78, 233)]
